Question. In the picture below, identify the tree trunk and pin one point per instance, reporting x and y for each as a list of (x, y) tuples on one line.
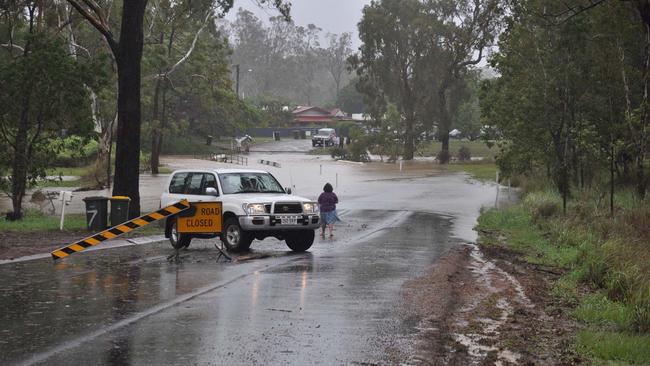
[(127, 152), (157, 139), (19, 166), (443, 125), (445, 156), (409, 140), (155, 130)]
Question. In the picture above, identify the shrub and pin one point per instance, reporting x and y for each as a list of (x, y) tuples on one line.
[(339, 153), (641, 309), (464, 154), (542, 205)]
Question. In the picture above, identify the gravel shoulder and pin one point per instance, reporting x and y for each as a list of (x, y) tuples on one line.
[(484, 306)]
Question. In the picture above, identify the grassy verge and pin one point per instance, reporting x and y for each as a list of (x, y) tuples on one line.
[(34, 221), (605, 261), (322, 150), (485, 172), (476, 148)]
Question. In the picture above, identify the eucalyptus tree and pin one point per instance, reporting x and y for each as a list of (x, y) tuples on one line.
[(337, 53), (173, 37), (308, 59), (541, 83), (390, 55), (463, 30), (39, 84), (350, 99), (570, 93), (249, 41), (127, 50)]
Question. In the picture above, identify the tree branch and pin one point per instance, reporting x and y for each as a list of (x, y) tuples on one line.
[(10, 45), (191, 49), (97, 21)]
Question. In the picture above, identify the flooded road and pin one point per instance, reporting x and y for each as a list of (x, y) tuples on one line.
[(335, 304)]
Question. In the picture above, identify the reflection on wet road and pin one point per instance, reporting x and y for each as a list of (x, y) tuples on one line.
[(331, 305)]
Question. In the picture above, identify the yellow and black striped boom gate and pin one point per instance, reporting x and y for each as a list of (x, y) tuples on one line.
[(120, 229)]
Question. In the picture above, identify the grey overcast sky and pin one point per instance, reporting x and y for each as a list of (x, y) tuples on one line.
[(333, 16)]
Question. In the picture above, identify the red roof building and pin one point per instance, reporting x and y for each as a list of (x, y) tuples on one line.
[(312, 115)]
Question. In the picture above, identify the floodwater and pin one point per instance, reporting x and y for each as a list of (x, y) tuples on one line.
[(335, 304)]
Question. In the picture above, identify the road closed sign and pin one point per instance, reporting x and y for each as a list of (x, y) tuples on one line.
[(202, 217)]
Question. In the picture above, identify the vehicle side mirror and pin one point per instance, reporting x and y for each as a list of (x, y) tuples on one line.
[(287, 189), (211, 191)]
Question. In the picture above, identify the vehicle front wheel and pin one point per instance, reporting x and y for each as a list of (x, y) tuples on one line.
[(178, 240), (234, 238), (300, 240)]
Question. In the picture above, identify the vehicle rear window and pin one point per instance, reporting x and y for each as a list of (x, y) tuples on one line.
[(177, 184)]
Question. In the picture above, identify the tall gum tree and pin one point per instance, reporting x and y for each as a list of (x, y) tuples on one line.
[(39, 82), (463, 29), (127, 51), (392, 48)]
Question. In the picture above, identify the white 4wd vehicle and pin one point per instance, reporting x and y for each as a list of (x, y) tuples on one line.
[(325, 137), (254, 206)]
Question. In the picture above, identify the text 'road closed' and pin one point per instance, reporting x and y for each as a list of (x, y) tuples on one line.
[(206, 219)]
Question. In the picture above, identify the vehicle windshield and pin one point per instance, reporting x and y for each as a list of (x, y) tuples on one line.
[(247, 182)]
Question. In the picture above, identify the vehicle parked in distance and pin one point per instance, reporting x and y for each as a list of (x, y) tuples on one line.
[(324, 137), (254, 206)]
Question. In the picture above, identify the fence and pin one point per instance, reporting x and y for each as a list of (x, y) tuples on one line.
[(225, 158)]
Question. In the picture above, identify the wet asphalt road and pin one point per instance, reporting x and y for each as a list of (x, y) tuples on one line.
[(336, 304)]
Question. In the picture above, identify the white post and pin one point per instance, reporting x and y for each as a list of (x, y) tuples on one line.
[(321, 169), (293, 188), (64, 201), (337, 180), (400, 165)]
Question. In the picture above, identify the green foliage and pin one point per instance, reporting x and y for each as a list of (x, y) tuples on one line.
[(597, 309), (565, 93), (464, 154), (468, 117), (39, 87), (74, 151), (542, 205), (356, 151), (191, 145), (604, 253), (350, 100), (346, 129), (275, 111), (612, 346)]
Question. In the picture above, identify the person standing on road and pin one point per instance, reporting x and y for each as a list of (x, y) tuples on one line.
[(328, 216)]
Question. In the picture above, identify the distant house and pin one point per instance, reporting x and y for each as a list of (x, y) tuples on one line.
[(309, 116), (339, 114)]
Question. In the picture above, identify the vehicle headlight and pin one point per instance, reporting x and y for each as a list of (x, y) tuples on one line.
[(254, 208), (310, 207)]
